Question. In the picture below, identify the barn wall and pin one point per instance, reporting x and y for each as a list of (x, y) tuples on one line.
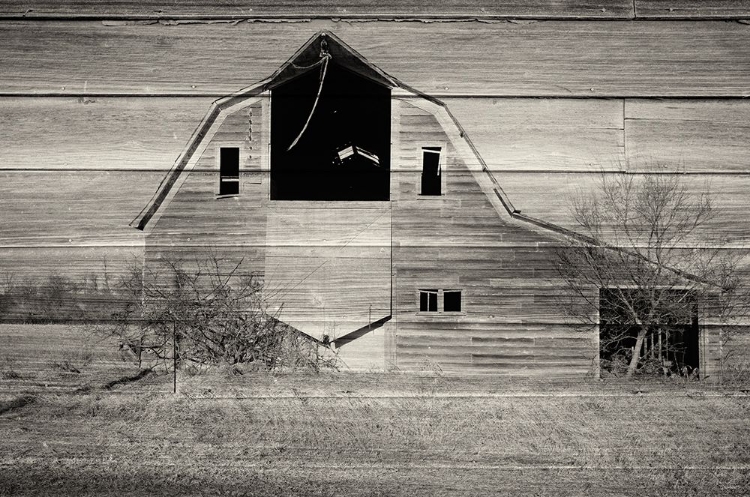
[(99, 99), (325, 265), (198, 224), (368, 351), (512, 320), (563, 58), (389, 10), (328, 264)]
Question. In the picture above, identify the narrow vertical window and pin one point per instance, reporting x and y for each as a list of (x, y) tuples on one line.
[(428, 300), (229, 171), (431, 171), (452, 301)]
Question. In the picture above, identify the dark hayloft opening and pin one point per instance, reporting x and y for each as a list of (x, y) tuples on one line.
[(344, 152), (670, 347)]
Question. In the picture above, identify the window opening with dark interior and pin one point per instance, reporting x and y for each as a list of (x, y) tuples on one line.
[(428, 300), (432, 174), (229, 171), (452, 301), (671, 344)]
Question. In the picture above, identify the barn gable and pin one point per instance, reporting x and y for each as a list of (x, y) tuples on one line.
[(305, 60), (301, 62)]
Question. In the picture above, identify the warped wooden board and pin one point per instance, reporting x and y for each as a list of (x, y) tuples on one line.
[(693, 9), (518, 134), (551, 58), (695, 135), (243, 9)]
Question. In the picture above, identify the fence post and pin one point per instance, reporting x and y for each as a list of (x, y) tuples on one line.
[(174, 356)]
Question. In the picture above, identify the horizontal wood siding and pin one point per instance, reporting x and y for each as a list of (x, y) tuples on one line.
[(512, 134), (198, 224), (693, 9), (61, 191), (548, 195), (695, 136), (459, 241), (521, 134), (97, 103), (553, 58), (422, 9), (328, 264), (474, 9)]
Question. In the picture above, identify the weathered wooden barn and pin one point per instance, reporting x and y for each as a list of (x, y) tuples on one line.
[(100, 99), (374, 222)]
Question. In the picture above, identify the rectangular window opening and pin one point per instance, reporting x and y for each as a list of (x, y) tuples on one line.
[(229, 171), (452, 301), (428, 300), (431, 171), (670, 345)]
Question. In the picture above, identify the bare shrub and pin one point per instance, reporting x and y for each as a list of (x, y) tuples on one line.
[(207, 312)]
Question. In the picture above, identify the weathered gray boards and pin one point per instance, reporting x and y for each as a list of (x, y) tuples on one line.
[(441, 272), (97, 102)]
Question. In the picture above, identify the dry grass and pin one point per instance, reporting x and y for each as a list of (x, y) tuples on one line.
[(345, 434), (550, 445), (56, 358)]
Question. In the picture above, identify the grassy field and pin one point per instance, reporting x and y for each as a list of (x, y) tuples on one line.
[(352, 434)]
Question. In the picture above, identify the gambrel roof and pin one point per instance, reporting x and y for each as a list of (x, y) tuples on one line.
[(307, 58)]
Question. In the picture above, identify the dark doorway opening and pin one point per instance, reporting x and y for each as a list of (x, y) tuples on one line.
[(671, 344), (344, 151)]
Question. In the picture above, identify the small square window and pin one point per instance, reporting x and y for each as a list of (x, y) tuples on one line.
[(452, 301), (428, 300), (229, 171)]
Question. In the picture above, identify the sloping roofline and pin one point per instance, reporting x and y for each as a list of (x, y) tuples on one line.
[(307, 58), (303, 60)]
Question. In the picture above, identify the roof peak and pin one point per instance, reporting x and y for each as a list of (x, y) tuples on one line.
[(325, 42)]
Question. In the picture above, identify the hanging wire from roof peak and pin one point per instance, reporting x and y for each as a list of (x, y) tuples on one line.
[(324, 46), (325, 57)]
